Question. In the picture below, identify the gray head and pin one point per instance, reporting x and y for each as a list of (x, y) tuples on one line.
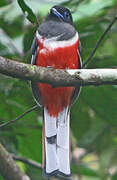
[(59, 13), (58, 22)]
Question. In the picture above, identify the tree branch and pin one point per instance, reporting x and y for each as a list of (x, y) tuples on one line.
[(27, 161), (58, 77), (19, 117), (8, 167)]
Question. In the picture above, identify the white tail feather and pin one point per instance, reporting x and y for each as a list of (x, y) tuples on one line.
[(63, 129), (57, 146), (51, 157), (63, 161), (50, 124), (63, 144)]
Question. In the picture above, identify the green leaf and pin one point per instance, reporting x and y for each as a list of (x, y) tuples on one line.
[(28, 39), (27, 11), (4, 2), (84, 170), (30, 144), (1, 178), (114, 177)]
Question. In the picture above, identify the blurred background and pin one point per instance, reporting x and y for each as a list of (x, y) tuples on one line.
[(93, 116)]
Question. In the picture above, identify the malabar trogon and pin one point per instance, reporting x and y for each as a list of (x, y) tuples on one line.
[(56, 45)]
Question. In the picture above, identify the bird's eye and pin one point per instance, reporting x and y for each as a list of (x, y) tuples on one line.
[(66, 14)]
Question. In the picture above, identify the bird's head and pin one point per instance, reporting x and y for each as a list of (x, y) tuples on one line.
[(61, 14)]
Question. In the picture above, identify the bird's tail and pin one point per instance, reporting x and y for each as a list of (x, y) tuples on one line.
[(56, 144)]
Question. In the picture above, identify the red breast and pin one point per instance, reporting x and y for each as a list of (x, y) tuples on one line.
[(63, 57)]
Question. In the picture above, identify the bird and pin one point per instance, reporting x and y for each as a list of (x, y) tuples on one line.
[(56, 45)]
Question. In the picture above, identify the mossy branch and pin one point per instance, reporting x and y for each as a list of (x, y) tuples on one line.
[(58, 77), (8, 167)]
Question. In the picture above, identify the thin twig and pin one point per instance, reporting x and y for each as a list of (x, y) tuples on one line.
[(34, 164), (27, 161), (99, 42), (19, 117)]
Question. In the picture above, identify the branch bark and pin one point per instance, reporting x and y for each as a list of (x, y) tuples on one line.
[(8, 167), (58, 77)]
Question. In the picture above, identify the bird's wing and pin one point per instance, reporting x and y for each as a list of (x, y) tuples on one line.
[(35, 90), (78, 88)]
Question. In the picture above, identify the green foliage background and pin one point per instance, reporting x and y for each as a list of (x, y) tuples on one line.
[(93, 116)]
